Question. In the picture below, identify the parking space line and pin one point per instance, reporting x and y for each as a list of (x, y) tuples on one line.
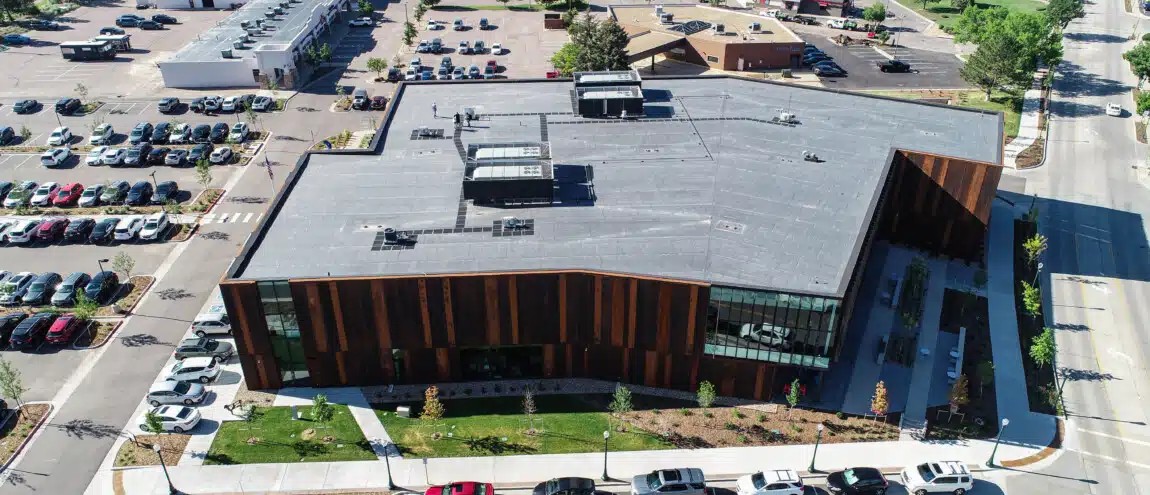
[(249, 217), (236, 217), (259, 218)]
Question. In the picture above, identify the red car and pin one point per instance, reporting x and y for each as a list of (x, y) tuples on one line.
[(552, 74), (462, 488), (51, 229), (493, 64), (62, 331), (68, 195), (378, 102)]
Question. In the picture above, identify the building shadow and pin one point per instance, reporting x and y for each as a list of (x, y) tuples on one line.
[(1076, 81)]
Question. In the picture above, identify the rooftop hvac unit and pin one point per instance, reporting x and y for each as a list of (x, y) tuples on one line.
[(270, 14), (279, 11), (787, 117), (720, 29), (667, 18), (285, 5), (254, 32), (245, 24), (226, 53), (238, 44), (756, 27), (245, 38)]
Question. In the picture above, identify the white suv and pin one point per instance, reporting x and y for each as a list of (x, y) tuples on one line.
[(154, 225), (937, 477), (196, 369), (771, 482)]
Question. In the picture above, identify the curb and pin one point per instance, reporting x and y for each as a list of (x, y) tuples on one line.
[(127, 312), (28, 439), (195, 227), (107, 338), (1054, 446), (212, 205)]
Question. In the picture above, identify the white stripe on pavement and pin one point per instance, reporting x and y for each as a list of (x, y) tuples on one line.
[(248, 218), (236, 217), (207, 218), (1107, 435), (1112, 459)]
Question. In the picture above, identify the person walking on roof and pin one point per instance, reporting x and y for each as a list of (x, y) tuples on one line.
[(434, 110)]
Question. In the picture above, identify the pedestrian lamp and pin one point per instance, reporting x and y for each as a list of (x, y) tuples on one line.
[(101, 263), (997, 439), (387, 461), (171, 488), (606, 435), (818, 436)]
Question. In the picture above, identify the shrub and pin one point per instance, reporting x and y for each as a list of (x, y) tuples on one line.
[(802, 420), (731, 426), (738, 414), (684, 411), (762, 418), (797, 428), (743, 439), (1143, 101), (707, 414), (841, 415)]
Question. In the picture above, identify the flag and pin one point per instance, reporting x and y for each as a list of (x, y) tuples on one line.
[(268, 165)]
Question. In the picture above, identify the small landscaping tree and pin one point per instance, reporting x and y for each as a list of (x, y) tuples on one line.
[(1139, 58), (793, 396), (959, 393), (25, 134), (621, 401), (152, 423), (432, 408), (985, 375), (124, 264), (706, 394), (878, 402), (1031, 299), (204, 172), (1034, 247), (529, 409), (1061, 12), (409, 32), (84, 308), (377, 65), (12, 382), (321, 410), (365, 8), (1043, 347), (325, 53), (960, 5), (82, 92), (420, 11), (876, 13), (883, 37)]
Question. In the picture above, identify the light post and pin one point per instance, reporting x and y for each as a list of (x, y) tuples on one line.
[(997, 439), (818, 436), (171, 488), (606, 435), (101, 263), (1036, 273), (387, 461)]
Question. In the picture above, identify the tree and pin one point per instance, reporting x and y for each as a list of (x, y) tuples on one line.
[(569, 17), (365, 8), (1034, 247), (985, 375), (1139, 58), (420, 10), (15, 7), (793, 395), (582, 34), (1061, 12), (409, 33), (529, 409), (325, 53), (252, 115), (123, 263), (1033, 40), (432, 408), (706, 394), (376, 65), (321, 410), (564, 60), (12, 382), (85, 307), (1031, 299), (82, 91), (204, 172), (879, 404), (611, 44), (152, 423), (995, 65), (273, 86), (621, 401), (959, 393), (883, 37), (311, 55), (876, 13), (1043, 347), (960, 5), (430, 3)]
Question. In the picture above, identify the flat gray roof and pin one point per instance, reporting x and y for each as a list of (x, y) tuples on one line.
[(704, 188), (210, 43)]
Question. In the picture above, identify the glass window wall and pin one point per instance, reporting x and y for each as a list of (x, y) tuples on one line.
[(283, 330), (772, 326)]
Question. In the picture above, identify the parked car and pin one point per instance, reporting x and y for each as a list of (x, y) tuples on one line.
[(378, 102), (26, 106), (91, 195), (140, 194), (31, 331), (172, 392), (219, 133), (176, 157), (43, 195), (103, 285), (565, 486), (458, 73), (239, 132), (60, 136), (67, 106), (461, 488), (168, 105), (893, 66), (104, 231), (202, 133), (102, 135), (937, 477), (128, 20), (361, 22), (63, 329), (176, 419), (213, 103), (497, 48), (115, 192), (197, 105), (221, 155), (6, 187), (489, 72), (22, 232), (20, 195), (423, 47), (436, 46), (829, 71), (114, 156), (229, 105), (78, 230), (200, 152), (857, 481), (181, 133), (165, 191), (211, 324), (150, 25), (434, 25), (204, 347), (141, 133), (9, 322), (410, 75), (55, 157), (164, 19), (111, 30), (478, 48), (442, 74), (1113, 109), (128, 227), (427, 74), (154, 226), (138, 154), (96, 156), (551, 74), (483, 24), (393, 74), (458, 25), (15, 39), (682, 481), (263, 104), (51, 229), (15, 287), (770, 482), (158, 155), (7, 135), (197, 369), (161, 133), (43, 25), (68, 195), (41, 290), (464, 48), (360, 99)]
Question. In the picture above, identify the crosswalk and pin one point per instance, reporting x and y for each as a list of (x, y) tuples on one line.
[(237, 217)]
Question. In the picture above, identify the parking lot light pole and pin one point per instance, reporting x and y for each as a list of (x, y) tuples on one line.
[(101, 263), (58, 123), (171, 488), (606, 435), (387, 462), (818, 436), (997, 439)]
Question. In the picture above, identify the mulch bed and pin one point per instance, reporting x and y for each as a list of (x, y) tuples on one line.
[(692, 428), (961, 309), (138, 284), (18, 428), (100, 332), (171, 447), (1037, 379)]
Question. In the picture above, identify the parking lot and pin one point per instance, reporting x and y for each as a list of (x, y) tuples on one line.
[(39, 69), (46, 367), (930, 69)]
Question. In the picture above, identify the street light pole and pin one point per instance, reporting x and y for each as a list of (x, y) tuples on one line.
[(101, 263), (606, 435), (818, 436), (997, 439), (171, 488), (387, 461)]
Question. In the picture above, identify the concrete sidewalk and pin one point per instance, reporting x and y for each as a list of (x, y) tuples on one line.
[(717, 464), (353, 398)]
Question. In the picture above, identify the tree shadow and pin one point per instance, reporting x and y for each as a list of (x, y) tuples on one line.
[(140, 340), (492, 445), (1078, 375), (1071, 327), (215, 236), (174, 294), (1063, 108), (305, 448), (81, 428), (1077, 81)]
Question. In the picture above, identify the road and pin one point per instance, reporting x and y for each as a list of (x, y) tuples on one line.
[(1093, 210)]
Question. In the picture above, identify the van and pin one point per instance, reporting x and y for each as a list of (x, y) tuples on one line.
[(359, 99), (212, 323)]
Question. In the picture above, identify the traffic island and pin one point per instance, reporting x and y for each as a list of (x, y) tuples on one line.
[(18, 428), (136, 286), (140, 452)]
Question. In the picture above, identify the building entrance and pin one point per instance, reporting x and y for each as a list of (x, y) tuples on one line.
[(502, 363)]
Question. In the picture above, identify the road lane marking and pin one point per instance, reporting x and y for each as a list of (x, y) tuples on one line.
[(1107, 435), (1112, 459), (249, 217), (236, 217), (207, 218)]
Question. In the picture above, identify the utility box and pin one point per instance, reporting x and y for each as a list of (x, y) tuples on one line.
[(403, 411)]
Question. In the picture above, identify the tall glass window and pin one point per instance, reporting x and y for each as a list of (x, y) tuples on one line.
[(772, 326), (283, 331)]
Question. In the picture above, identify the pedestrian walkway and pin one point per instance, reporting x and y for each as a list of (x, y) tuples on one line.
[(353, 398), (1028, 130), (213, 414), (922, 375), (225, 217)]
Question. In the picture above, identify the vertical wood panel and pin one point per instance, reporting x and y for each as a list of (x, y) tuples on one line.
[(382, 326), (513, 296), (692, 315), (651, 369), (663, 340), (760, 375), (341, 366), (337, 310), (425, 313), (548, 360), (448, 312), (618, 308), (315, 311), (631, 317), (491, 296), (568, 360), (598, 325), (667, 371), (443, 364), (563, 308), (626, 364)]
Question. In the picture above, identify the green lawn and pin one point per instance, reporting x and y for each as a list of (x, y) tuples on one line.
[(279, 439), (495, 426), (945, 15)]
